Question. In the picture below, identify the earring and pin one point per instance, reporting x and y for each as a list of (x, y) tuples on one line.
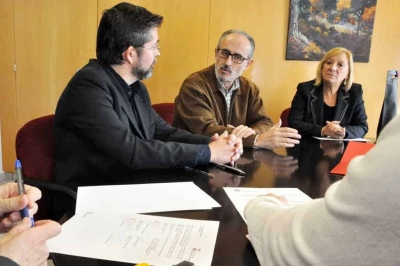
[(344, 82)]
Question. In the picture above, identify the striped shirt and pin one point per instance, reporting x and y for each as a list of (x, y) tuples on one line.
[(228, 95)]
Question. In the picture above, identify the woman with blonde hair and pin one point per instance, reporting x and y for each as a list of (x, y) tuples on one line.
[(331, 104)]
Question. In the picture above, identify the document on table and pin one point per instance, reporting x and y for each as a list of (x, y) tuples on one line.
[(144, 198), (356, 139), (135, 238), (240, 196)]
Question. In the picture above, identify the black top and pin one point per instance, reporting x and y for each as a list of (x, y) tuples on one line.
[(307, 110), (97, 135), (204, 152), (329, 112)]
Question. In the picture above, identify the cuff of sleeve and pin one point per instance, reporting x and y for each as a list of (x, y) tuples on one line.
[(263, 200), (203, 154)]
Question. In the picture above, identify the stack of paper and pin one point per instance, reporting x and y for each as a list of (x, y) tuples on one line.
[(144, 198), (106, 227), (137, 238), (329, 138), (240, 196)]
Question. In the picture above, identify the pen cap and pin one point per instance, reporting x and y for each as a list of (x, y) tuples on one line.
[(20, 180), (17, 164)]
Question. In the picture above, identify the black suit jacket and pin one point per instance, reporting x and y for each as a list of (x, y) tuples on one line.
[(97, 136), (306, 113)]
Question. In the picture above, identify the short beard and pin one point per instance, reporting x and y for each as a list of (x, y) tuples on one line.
[(220, 78), (140, 73)]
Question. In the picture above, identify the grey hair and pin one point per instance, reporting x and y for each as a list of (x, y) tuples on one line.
[(241, 32)]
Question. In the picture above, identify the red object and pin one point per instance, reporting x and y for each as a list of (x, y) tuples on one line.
[(34, 147), (284, 117), (165, 110), (353, 149)]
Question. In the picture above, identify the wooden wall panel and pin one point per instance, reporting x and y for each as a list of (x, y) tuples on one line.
[(8, 106), (267, 22), (183, 39), (385, 55), (55, 38), (52, 40)]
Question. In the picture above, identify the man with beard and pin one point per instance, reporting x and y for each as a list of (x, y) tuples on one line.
[(104, 124), (217, 98)]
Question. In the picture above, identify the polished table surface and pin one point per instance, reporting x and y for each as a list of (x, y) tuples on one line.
[(305, 166)]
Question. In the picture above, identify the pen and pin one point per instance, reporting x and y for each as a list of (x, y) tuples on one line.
[(24, 212), (230, 169), (199, 172)]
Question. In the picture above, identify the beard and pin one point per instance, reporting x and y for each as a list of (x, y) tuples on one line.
[(140, 73), (221, 77)]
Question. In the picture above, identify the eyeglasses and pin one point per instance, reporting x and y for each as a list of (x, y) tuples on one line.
[(237, 58), (155, 47)]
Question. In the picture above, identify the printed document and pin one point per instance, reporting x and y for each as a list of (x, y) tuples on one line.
[(143, 198), (136, 238), (240, 196)]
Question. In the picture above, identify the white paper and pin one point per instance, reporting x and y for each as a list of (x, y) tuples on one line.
[(137, 238), (356, 139), (240, 196), (144, 198)]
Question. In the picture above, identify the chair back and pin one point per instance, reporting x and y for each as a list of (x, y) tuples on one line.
[(285, 117), (34, 148), (165, 110)]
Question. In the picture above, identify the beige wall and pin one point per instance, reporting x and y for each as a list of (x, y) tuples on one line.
[(54, 38), (8, 104), (267, 22)]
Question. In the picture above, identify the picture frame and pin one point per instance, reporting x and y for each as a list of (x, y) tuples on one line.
[(316, 26)]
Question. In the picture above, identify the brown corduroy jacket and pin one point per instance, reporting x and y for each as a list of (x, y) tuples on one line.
[(200, 106)]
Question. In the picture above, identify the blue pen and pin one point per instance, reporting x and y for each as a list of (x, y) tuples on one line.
[(20, 181)]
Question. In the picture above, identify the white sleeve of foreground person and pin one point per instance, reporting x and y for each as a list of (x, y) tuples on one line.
[(357, 223)]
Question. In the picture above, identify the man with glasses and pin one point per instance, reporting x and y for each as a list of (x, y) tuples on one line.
[(105, 126), (218, 98)]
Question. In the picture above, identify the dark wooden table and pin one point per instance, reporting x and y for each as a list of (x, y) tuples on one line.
[(305, 167)]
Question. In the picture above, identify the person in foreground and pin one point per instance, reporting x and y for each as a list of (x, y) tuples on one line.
[(357, 223), (105, 126), (218, 98), (22, 244), (331, 104)]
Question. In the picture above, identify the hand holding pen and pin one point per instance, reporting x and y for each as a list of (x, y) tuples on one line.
[(24, 212), (11, 203)]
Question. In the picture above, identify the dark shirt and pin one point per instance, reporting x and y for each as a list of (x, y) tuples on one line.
[(204, 152), (329, 112), (307, 113)]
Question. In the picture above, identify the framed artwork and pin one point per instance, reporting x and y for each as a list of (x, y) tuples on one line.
[(316, 26)]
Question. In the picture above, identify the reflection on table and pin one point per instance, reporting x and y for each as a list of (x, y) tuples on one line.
[(305, 166)]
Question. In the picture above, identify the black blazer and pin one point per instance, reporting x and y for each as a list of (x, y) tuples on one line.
[(97, 135), (306, 113)]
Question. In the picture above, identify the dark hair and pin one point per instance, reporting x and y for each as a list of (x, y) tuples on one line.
[(122, 26), (241, 32)]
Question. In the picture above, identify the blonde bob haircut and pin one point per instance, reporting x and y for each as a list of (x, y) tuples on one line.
[(329, 54)]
